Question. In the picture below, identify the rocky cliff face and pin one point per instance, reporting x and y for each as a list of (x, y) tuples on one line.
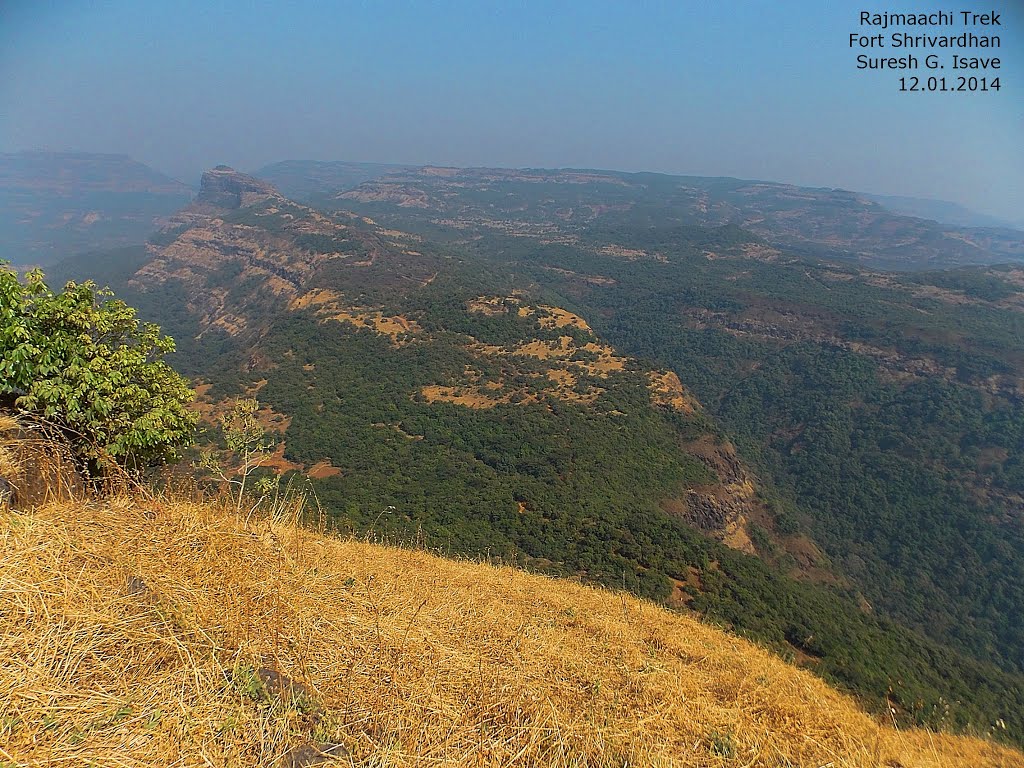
[(224, 187), (241, 232), (722, 509)]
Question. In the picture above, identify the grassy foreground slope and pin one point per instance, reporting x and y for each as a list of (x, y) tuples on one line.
[(171, 634)]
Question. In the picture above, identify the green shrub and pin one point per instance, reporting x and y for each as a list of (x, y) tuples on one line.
[(82, 361)]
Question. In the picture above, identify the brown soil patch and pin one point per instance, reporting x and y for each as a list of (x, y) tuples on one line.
[(544, 350), (278, 462), (211, 412), (566, 360), (469, 396), (323, 469), (279, 286), (562, 378), (313, 298), (736, 537), (607, 361), (231, 324), (557, 317), (271, 420), (491, 305), (330, 305), (667, 390)]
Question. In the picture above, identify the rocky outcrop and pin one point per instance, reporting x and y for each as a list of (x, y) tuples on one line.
[(716, 511), (224, 187), (721, 509), (237, 270)]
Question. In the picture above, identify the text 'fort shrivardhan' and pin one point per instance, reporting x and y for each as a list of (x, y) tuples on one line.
[(959, 41)]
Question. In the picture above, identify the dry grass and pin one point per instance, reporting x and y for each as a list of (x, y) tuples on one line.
[(148, 633), (9, 464), (468, 396), (666, 389), (35, 464), (331, 305)]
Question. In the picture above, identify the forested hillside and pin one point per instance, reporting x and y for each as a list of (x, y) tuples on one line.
[(885, 409), (890, 422)]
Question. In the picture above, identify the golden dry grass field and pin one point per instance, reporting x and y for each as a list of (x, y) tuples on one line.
[(150, 633)]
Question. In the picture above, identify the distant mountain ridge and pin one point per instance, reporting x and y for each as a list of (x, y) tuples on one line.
[(309, 181), (72, 171), (943, 211), (53, 204), (817, 222)]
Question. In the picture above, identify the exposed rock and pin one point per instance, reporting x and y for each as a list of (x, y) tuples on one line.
[(721, 509), (312, 754), (224, 187), (282, 686)]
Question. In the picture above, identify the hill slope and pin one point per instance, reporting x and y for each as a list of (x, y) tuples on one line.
[(886, 410), (154, 633), (460, 381), (409, 356)]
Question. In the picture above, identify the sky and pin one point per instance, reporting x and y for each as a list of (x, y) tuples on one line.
[(757, 89)]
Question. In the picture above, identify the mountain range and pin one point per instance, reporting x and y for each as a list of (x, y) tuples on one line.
[(818, 223), (55, 204), (947, 213)]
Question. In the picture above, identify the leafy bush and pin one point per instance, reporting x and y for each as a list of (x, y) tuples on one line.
[(81, 360)]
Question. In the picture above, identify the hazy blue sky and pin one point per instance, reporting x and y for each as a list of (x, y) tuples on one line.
[(755, 89)]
